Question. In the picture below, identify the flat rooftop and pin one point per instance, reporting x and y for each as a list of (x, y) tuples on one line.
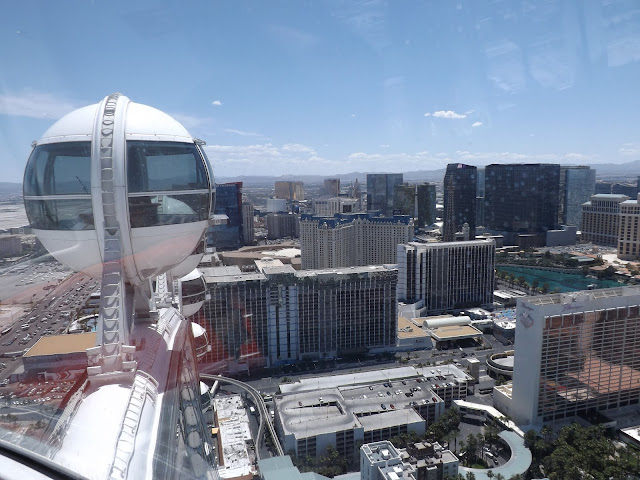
[(584, 295), (408, 329), (379, 451), (389, 419), (334, 381), (62, 344), (454, 332), (506, 389), (372, 407), (234, 434), (632, 432)]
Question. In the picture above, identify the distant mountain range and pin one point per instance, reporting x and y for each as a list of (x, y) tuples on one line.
[(10, 188), (604, 171)]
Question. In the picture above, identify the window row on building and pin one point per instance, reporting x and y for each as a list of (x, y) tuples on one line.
[(352, 240), (282, 316)]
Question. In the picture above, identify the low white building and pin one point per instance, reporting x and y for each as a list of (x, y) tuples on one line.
[(236, 457)]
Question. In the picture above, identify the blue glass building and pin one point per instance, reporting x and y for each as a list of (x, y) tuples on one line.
[(227, 236)]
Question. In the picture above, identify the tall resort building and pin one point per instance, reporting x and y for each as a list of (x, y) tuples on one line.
[(577, 352), (229, 235), (381, 190), (601, 219), (447, 275), (629, 232), (577, 184), (522, 199), (280, 315), (460, 191), (352, 240)]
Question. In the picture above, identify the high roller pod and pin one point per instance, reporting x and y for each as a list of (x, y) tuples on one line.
[(160, 178), (120, 191)]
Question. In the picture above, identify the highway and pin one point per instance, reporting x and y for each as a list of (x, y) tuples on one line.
[(265, 417)]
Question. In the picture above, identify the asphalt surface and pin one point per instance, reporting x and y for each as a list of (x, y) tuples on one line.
[(48, 316)]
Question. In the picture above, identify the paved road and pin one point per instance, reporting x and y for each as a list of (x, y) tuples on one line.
[(47, 317)]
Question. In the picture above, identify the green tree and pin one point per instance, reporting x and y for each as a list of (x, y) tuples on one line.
[(491, 435), (530, 437), (545, 287), (472, 449)]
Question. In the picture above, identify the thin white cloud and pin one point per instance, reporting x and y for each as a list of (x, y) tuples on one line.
[(393, 81), (630, 149), (384, 146), (217, 103), (298, 148), (294, 40), (505, 67), (622, 33), (361, 161), (367, 19), (446, 114), (35, 105), (476, 124), (243, 133), (190, 121), (267, 159)]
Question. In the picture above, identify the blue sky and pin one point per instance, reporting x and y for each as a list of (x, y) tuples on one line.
[(326, 87)]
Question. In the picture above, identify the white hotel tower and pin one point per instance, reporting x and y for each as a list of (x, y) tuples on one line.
[(577, 352)]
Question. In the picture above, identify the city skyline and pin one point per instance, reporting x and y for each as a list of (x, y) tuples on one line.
[(338, 87)]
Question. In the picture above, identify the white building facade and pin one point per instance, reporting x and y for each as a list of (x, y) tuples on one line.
[(629, 233), (352, 240), (601, 219), (576, 353)]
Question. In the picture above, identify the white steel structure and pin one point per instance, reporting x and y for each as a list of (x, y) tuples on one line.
[(122, 192)]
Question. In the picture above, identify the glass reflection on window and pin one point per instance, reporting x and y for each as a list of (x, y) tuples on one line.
[(150, 211), (164, 166), (59, 169), (63, 214)]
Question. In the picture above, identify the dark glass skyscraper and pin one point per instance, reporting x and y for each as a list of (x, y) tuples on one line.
[(228, 236), (404, 200), (577, 183), (426, 204), (380, 191), (522, 198), (460, 189)]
